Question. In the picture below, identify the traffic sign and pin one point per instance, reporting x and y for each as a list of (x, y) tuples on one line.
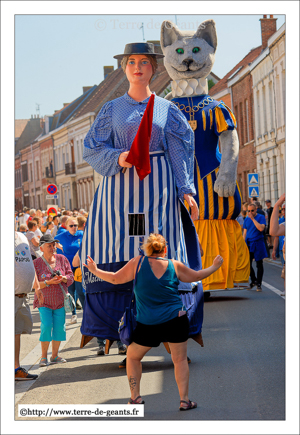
[(252, 179), (52, 196), (253, 191), (51, 189), (52, 209)]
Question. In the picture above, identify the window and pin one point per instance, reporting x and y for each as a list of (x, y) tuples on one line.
[(242, 136), (136, 224), (247, 121), (24, 172), (278, 94), (271, 104), (258, 114), (30, 171), (275, 177), (283, 93), (264, 109), (37, 170)]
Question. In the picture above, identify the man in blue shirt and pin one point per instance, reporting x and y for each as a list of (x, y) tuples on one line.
[(279, 240), (254, 226)]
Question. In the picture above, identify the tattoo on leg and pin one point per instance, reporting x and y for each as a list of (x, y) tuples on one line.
[(132, 383)]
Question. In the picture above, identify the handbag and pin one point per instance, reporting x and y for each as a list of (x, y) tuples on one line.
[(69, 303), (127, 323)]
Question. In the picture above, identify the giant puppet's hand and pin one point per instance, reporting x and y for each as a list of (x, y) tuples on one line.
[(226, 178)]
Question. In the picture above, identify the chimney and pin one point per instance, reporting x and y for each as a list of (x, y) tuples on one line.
[(86, 88), (268, 28), (66, 104), (34, 116), (107, 70)]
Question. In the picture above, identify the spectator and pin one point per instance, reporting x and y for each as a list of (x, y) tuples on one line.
[(44, 216), (254, 226), (25, 279), (269, 213), (23, 228), (32, 214), (82, 211), (16, 221), (279, 241), (33, 240), (81, 223), (22, 219), (49, 298), (49, 227), (241, 217), (160, 315), (26, 214), (278, 230), (39, 214), (245, 206), (38, 231), (56, 225), (62, 227), (78, 280), (71, 241), (259, 208)]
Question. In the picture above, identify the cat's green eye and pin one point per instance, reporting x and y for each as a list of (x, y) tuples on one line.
[(180, 50), (196, 49)]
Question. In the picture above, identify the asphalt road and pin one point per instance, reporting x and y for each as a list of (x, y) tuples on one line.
[(239, 374)]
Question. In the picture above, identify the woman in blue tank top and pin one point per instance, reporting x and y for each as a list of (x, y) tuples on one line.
[(160, 314)]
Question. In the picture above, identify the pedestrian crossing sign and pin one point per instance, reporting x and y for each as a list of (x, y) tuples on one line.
[(253, 191), (252, 179)]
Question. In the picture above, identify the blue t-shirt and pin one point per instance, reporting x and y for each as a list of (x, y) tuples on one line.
[(281, 238), (60, 231), (71, 244), (252, 232)]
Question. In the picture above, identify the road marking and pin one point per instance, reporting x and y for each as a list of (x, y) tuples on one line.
[(274, 289)]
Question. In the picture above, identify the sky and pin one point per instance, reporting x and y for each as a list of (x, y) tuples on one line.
[(56, 55)]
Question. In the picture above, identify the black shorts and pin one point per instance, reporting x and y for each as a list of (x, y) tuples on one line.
[(174, 331)]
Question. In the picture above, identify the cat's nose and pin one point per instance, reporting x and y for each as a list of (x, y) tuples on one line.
[(187, 62)]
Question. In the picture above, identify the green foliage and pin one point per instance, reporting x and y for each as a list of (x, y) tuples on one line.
[(167, 91), (211, 83)]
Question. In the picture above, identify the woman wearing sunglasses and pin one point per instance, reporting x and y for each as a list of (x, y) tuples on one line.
[(71, 241)]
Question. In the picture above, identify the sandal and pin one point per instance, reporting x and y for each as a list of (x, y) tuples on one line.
[(57, 359), (190, 405), (43, 362), (134, 401)]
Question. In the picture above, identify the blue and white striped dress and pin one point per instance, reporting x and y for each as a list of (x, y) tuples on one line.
[(106, 238)]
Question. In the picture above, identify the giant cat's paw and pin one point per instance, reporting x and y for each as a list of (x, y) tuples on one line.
[(225, 186)]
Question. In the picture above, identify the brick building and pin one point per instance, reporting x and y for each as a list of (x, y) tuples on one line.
[(236, 90), (27, 155)]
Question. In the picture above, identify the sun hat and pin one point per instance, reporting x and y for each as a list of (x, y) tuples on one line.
[(139, 48)]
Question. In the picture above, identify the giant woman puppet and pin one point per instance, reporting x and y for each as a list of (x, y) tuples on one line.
[(139, 193)]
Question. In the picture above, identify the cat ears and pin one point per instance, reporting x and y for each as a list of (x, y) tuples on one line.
[(206, 30)]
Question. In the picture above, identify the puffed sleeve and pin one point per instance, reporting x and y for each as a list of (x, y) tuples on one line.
[(180, 150), (224, 119), (99, 149)]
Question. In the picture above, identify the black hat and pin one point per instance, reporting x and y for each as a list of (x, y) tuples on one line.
[(139, 48), (47, 238)]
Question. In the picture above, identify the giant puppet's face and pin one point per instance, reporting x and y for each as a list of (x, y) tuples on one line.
[(139, 70)]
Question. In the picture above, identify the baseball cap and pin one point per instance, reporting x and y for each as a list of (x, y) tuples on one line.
[(47, 238)]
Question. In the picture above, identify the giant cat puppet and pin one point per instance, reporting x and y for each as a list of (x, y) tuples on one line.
[(189, 58)]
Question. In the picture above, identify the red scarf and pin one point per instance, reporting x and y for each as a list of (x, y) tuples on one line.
[(139, 152)]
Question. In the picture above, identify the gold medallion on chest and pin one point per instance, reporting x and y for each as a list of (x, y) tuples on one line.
[(193, 124)]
